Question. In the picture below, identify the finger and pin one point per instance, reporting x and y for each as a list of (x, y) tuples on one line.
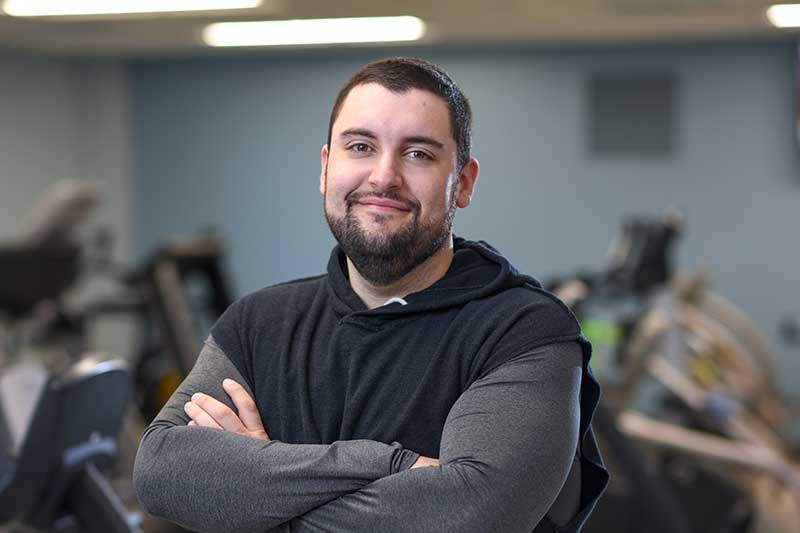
[(191, 423), (199, 416), (248, 412), (221, 413)]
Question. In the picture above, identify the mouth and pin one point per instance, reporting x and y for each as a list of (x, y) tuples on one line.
[(383, 205)]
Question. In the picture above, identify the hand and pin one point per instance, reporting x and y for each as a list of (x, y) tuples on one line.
[(425, 461), (206, 411)]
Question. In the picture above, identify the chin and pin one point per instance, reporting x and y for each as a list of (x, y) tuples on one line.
[(380, 224)]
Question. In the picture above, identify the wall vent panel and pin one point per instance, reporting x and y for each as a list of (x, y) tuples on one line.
[(632, 114)]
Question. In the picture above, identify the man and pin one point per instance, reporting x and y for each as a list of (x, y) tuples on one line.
[(422, 384)]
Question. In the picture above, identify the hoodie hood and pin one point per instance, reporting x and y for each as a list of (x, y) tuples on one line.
[(477, 271)]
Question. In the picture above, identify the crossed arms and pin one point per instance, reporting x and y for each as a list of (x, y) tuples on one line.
[(506, 449), (207, 411)]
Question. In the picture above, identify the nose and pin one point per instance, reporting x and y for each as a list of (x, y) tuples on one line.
[(386, 174)]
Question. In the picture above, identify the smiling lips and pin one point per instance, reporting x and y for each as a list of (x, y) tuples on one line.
[(383, 204)]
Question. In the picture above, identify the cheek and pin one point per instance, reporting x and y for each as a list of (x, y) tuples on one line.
[(434, 201), (337, 189), (343, 178), (445, 192)]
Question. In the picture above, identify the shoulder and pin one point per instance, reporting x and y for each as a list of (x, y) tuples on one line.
[(516, 321), (289, 293), (533, 311), (264, 305)]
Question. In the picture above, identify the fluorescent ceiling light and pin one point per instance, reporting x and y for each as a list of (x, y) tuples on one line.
[(314, 31), (784, 15), (58, 8)]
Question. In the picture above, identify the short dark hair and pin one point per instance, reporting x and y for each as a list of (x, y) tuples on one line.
[(400, 74)]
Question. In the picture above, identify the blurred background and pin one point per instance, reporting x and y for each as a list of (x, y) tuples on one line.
[(641, 157)]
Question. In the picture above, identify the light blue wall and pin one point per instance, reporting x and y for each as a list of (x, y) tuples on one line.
[(38, 122), (235, 143), (63, 119)]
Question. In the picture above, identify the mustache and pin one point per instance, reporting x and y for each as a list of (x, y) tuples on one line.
[(357, 196)]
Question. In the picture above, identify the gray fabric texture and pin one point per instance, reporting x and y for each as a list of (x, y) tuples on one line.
[(210, 480), (506, 450)]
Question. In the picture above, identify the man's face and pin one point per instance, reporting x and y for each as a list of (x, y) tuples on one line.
[(390, 181)]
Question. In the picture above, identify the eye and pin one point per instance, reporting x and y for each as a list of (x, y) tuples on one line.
[(359, 147), (419, 154)]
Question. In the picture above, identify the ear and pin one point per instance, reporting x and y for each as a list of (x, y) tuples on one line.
[(466, 182), (324, 165)]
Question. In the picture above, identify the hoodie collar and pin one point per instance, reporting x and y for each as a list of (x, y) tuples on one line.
[(477, 271)]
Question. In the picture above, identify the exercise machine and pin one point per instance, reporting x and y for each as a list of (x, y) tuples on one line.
[(688, 383), (58, 433), (54, 480)]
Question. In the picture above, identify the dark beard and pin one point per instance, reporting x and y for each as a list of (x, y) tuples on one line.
[(384, 259)]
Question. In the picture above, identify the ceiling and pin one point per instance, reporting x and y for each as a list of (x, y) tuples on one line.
[(455, 22)]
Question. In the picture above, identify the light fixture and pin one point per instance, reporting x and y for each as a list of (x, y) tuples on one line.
[(61, 8), (784, 15), (314, 31)]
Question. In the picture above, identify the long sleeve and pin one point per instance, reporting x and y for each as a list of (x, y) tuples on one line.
[(211, 480), (506, 450)]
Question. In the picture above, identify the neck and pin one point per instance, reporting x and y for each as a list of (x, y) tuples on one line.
[(419, 278)]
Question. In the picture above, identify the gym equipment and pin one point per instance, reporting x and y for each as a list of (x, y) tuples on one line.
[(54, 481), (52, 474), (165, 278), (622, 508), (181, 316), (639, 263), (175, 298), (58, 214), (678, 352), (45, 260)]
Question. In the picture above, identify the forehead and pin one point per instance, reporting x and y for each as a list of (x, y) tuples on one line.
[(414, 112)]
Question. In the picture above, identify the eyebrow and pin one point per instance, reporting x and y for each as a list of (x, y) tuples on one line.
[(358, 132), (414, 139), (421, 139)]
